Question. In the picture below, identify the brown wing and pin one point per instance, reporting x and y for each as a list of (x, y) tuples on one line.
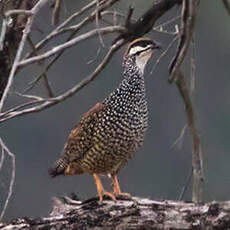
[(80, 138)]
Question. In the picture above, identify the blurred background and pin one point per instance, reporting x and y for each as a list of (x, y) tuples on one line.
[(160, 168)]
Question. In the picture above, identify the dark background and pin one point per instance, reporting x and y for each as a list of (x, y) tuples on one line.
[(159, 169)]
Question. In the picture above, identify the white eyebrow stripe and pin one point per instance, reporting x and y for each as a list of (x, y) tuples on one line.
[(136, 49)]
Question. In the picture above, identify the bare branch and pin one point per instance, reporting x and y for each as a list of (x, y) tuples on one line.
[(189, 12), (197, 161), (158, 28), (97, 24), (193, 65), (146, 22), (56, 12), (15, 65), (44, 75), (20, 107), (50, 102), (61, 29), (26, 31), (5, 149), (74, 41), (14, 12), (2, 158), (77, 14), (30, 96), (3, 33)]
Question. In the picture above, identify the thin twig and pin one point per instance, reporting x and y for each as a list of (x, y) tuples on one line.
[(56, 12), (56, 49), (146, 22), (60, 29), (55, 32), (34, 82), (75, 15), (30, 96), (26, 31), (48, 86), (50, 102), (180, 138), (185, 187), (4, 147), (44, 75), (17, 108), (97, 24), (94, 58), (2, 158), (168, 22), (163, 53), (158, 28)]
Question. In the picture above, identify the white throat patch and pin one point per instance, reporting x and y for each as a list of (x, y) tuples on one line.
[(142, 59)]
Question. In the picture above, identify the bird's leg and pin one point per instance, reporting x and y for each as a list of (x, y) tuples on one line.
[(116, 187), (101, 191)]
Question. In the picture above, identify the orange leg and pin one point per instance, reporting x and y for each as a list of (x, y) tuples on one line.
[(116, 187), (100, 190)]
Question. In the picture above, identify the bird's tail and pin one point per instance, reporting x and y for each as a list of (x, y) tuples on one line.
[(58, 168)]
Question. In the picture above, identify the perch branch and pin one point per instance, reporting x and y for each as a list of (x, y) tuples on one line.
[(135, 213)]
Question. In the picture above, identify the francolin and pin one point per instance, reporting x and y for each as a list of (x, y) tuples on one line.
[(110, 133)]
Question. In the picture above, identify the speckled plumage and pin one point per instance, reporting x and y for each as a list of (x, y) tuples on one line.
[(110, 133)]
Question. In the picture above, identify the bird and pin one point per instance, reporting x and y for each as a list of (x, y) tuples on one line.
[(109, 134)]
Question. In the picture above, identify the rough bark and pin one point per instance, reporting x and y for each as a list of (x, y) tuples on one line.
[(134, 213)]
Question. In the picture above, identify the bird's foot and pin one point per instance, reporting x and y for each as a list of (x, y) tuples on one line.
[(105, 193), (122, 195), (116, 188)]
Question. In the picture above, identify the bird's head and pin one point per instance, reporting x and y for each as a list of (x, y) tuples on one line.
[(140, 51)]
